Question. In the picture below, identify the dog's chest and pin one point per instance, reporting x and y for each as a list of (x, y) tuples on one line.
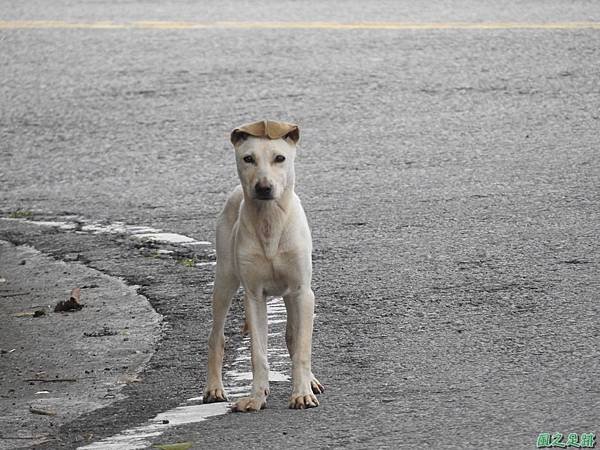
[(269, 236), (272, 275)]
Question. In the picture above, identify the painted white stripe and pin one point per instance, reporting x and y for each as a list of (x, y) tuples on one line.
[(278, 321), (140, 437), (170, 238), (137, 231), (247, 376)]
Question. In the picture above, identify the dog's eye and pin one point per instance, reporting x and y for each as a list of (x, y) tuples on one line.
[(249, 159), (279, 158)]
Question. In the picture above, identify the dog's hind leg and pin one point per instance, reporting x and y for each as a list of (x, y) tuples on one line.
[(226, 285), (290, 326)]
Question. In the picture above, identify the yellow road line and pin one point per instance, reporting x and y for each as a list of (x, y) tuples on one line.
[(171, 25)]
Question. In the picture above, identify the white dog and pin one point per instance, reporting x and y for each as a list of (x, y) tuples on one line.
[(264, 244)]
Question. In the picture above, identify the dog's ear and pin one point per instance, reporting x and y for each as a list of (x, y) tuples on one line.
[(293, 136), (238, 136), (266, 129)]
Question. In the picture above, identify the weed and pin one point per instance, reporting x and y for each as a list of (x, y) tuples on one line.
[(187, 262), (20, 214)]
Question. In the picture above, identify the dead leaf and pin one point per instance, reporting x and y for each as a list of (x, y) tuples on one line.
[(72, 304), (76, 294)]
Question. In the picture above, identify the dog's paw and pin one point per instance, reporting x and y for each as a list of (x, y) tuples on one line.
[(214, 395), (248, 404), (316, 386), (303, 401)]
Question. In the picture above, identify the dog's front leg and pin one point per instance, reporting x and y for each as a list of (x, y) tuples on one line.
[(225, 287), (291, 305), (256, 316), (301, 306)]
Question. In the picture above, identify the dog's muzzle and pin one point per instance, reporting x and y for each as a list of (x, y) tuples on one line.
[(263, 191)]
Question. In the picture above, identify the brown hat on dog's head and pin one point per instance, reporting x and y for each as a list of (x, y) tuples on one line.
[(266, 129)]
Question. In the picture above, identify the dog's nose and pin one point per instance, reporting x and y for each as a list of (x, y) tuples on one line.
[(263, 191)]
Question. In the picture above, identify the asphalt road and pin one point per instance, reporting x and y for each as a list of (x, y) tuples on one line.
[(451, 179)]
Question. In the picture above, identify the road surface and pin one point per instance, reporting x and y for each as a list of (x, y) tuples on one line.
[(450, 174)]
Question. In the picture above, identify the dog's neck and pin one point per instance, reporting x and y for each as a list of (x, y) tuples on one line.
[(268, 220)]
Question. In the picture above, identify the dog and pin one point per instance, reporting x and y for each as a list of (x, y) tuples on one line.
[(264, 244)]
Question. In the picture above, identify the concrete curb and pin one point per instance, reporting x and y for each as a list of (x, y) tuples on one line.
[(95, 351)]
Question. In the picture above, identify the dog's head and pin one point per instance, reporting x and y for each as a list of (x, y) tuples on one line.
[(265, 153)]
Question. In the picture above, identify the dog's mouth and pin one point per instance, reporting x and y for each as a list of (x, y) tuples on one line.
[(264, 197)]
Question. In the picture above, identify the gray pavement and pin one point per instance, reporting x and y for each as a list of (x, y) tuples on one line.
[(450, 177)]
